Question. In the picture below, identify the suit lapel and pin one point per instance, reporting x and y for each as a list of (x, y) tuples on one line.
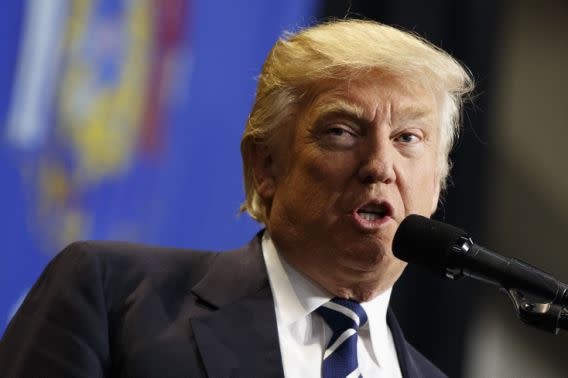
[(407, 366), (240, 338)]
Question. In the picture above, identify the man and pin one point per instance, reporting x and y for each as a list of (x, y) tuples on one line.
[(350, 132)]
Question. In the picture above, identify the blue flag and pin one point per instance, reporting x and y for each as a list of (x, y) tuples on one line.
[(122, 120)]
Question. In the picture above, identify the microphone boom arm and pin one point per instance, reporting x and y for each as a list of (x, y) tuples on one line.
[(542, 308)]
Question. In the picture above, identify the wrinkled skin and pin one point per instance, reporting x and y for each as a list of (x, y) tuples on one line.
[(369, 140)]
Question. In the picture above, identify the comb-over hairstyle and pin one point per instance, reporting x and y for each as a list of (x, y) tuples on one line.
[(340, 50)]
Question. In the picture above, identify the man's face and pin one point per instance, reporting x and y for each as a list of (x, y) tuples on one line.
[(362, 156)]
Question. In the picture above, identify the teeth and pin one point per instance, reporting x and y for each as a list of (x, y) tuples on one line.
[(369, 216)]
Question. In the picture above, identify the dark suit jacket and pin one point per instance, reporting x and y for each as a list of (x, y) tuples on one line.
[(124, 310)]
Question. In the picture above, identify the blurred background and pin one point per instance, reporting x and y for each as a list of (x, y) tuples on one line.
[(121, 119)]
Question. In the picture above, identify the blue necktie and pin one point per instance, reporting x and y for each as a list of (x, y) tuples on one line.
[(344, 317)]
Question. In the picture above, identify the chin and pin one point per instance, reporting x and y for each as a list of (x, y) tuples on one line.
[(362, 280), (369, 256)]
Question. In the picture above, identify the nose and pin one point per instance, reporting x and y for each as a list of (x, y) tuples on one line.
[(377, 163)]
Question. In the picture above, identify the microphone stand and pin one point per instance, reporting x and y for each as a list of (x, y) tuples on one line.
[(538, 313)]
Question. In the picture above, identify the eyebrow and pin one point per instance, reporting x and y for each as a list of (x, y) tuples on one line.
[(355, 112), (339, 108), (411, 113)]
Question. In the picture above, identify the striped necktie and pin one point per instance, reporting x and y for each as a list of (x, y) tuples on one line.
[(344, 317)]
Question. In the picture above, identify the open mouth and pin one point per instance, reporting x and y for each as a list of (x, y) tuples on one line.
[(375, 211)]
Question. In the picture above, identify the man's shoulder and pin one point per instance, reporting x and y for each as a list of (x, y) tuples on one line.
[(98, 301), (122, 255), (121, 268), (125, 260)]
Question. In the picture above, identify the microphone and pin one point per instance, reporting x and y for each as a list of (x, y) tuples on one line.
[(449, 251)]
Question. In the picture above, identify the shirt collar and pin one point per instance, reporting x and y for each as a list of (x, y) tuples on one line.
[(376, 310), (296, 296)]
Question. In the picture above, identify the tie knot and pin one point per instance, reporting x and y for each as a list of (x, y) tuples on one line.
[(341, 314)]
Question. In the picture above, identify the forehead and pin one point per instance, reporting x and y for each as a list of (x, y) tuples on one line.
[(372, 95)]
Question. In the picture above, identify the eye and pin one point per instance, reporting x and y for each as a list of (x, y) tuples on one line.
[(338, 135), (338, 131), (408, 138)]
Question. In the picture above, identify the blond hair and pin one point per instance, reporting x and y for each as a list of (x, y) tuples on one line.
[(338, 50)]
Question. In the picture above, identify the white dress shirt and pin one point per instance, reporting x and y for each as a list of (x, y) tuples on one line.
[(303, 334)]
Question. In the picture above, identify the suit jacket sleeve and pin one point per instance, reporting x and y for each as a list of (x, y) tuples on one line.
[(61, 329)]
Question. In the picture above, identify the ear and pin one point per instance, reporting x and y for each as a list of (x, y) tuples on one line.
[(263, 172)]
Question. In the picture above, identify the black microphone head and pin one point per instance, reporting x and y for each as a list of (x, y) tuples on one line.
[(426, 242)]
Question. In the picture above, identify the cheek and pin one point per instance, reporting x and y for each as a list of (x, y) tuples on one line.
[(327, 172), (317, 181), (419, 190)]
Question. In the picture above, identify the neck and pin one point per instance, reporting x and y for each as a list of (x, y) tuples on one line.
[(341, 280)]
